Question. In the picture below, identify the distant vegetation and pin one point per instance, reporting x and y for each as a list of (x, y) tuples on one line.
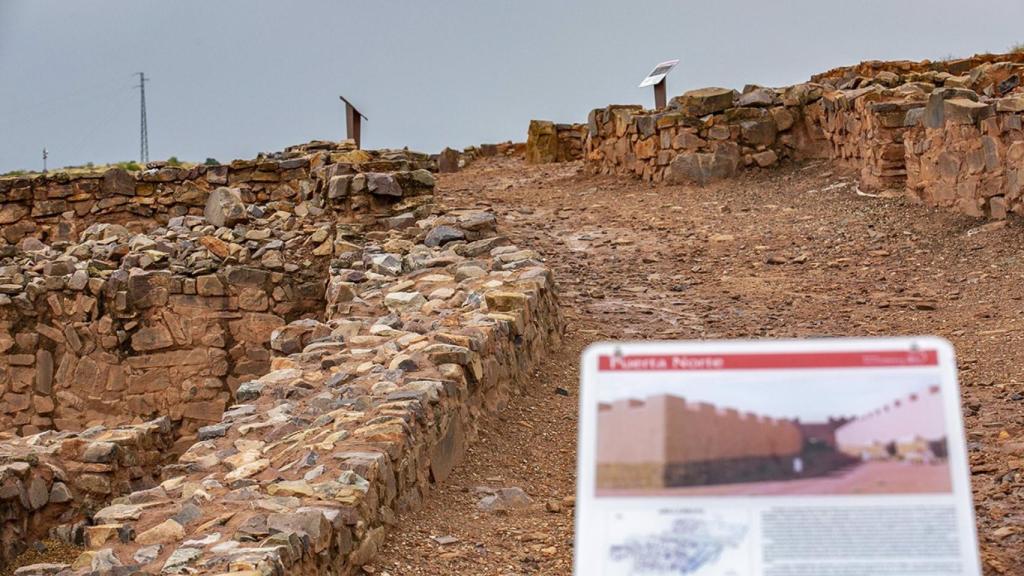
[(131, 166), (1017, 48)]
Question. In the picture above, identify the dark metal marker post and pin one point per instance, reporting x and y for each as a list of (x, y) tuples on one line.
[(659, 95), (354, 122), (657, 79)]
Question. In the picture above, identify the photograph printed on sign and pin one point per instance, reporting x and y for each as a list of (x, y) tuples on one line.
[(685, 434)]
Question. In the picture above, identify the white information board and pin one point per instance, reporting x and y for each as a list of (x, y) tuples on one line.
[(659, 73), (775, 458)]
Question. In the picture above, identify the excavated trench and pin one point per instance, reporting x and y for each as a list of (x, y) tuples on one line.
[(103, 328)]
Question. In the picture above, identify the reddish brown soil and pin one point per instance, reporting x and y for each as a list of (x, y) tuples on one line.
[(780, 254)]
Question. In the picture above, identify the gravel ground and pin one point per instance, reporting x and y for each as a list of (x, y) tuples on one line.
[(794, 252)]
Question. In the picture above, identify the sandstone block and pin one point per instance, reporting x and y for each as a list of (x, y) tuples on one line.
[(759, 132), (11, 213), (784, 119), (448, 160), (541, 142), (702, 168), (1008, 104), (441, 235), (338, 187), (164, 533), (383, 185), (117, 181), (704, 101), (224, 207), (152, 338), (766, 158), (759, 97), (399, 302), (964, 111), (935, 110)]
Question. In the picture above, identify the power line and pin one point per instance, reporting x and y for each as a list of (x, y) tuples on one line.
[(143, 132)]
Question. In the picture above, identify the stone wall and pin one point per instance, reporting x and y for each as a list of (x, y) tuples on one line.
[(549, 142), (53, 480), (946, 133), (865, 129), (58, 206), (114, 326), (704, 135), (320, 350), (973, 159), (450, 160), (891, 71), (426, 329)]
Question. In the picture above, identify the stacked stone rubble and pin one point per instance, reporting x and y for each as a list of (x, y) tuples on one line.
[(973, 159), (118, 326), (704, 135), (549, 142), (56, 207), (865, 129), (948, 133), (320, 358), (51, 482), (428, 326)]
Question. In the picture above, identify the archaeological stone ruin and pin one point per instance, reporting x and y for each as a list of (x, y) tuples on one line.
[(947, 133), (257, 368), (248, 368)]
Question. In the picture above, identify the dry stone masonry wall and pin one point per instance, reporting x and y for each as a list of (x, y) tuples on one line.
[(57, 207), (948, 133), (704, 135), (549, 142), (118, 326), (50, 482), (428, 328), (315, 360)]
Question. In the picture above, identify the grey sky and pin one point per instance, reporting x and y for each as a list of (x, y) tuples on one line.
[(232, 78), (810, 395)]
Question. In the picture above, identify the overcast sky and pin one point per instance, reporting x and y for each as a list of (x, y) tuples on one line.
[(810, 395), (233, 78)]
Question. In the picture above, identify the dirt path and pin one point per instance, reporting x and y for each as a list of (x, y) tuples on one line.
[(794, 253)]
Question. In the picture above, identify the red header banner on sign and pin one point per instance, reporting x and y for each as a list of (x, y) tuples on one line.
[(675, 362)]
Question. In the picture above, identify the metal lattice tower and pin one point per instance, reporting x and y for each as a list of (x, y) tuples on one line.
[(143, 133)]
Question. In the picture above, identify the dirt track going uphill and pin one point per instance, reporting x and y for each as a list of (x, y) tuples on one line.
[(790, 253)]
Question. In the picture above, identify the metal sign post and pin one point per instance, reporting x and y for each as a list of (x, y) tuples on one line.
[(657, 79), (353, 120)]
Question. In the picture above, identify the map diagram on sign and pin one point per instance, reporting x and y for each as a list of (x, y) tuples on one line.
[(686, 547)]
